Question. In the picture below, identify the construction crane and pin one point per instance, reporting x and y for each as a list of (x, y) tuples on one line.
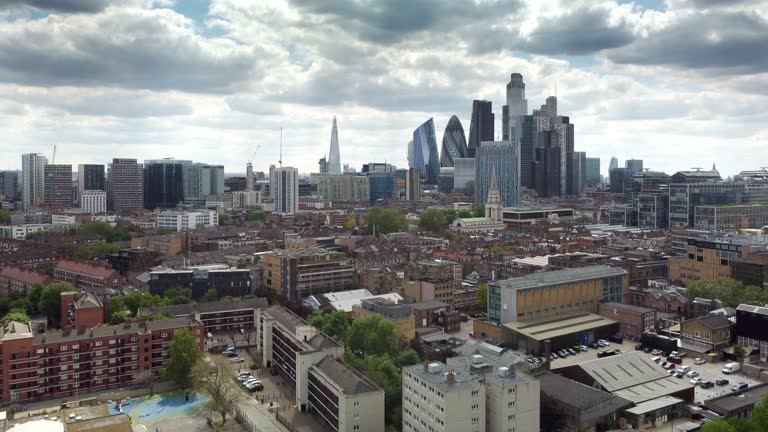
[(250, 160)]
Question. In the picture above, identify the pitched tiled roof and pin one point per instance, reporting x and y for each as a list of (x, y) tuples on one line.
[(25, 275), (85, 268)]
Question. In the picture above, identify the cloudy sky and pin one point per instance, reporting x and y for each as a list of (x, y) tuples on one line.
[(678, 83)]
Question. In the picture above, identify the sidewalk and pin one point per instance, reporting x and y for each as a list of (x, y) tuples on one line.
[(256, 417)]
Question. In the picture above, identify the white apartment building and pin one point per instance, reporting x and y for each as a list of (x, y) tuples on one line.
[(246, 199), (19, 232), (477, 392), (93, 201), (32, 179), (284, 188), (187, 220)]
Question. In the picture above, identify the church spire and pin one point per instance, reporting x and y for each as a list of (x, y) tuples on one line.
[(493, 202), (494, 186)]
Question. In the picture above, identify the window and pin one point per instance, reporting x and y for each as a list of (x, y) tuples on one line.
[(475, 420), (475, 393), (475, 407), (356, 403), (356, 427), (74, 347), (63, 348), (197, 331), (112, 341), (510, 404), (99, 343)]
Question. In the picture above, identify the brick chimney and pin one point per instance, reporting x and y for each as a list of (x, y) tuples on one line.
[(547, 354), (450, 377)]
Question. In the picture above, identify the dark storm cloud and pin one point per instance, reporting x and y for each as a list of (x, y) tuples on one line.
[(121, 48), (725, 42), (64, 6), (394, 20)]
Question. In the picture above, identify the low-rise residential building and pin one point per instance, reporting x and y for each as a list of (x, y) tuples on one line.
[(162, 244), (58, 364), (297, 273), (481, 391), (21, 279), (539, 295), (86, 276), (311, 363), (435, 313), (227, 281), (20, 232), (633, 320), (187, 220), (80, 310), (705, 334), (219, 316)]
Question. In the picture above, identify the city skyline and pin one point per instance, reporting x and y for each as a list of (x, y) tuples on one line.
[(229, 90)]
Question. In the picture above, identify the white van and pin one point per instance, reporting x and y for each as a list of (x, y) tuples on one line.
[(684, 369), (730, 368)]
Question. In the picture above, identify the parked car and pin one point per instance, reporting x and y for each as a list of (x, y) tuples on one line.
[(581, 348), (229, 354), (740, 386), (656, 359), (675, 359), (656, 352), (602, 354), (603, 342), (237, 360), (674, 353), (706, 384), (722, 382), (639, 347), (571, 351), (684, 369), (695, 381), (209, 335), (699, 361), (679, 374), (672, 372), (730, 368), (692, 374), (670, 366), (593, 345), (663, 364)]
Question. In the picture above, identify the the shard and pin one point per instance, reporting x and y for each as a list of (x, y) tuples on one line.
[(334, 159)]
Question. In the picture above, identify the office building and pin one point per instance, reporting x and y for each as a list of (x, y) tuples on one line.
[(412, 185), (593, 172), (297, 273), (482, 390), (424, 154), (33, 179), (163, 183), (617, 178), (187, 220), (125, 186), (698, 176), (382, 186), (614, 163), (246, 199), (652, 211), (685, 197), (454, 143), (334, 158), (750, 329), (58, 185), (312, 365), (481, 126), (58, 364), (445, 181), (711, 258), (322, 166), (540, 295), (514, 110), (528, 140), (202, 180), (93, 201), (284, 188), (343, 187), (227, 281), (731, 217), (91, 177), (633, 165), (504, 157), (9, 185), (577, 173), (546, 168), (464, 175)]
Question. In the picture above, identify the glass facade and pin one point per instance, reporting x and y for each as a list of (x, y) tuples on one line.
[(464, 176), (424, 155), (163, 184), (494, 304), (730, 217), (454, 143), (612, 289), (684, 198), (504, 156), (482, 125), (593, 171), (382, 187)]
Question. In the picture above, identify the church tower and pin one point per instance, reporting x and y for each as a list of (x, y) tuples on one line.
[(493, 203)]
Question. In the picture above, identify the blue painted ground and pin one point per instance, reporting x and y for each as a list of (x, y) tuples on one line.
[(161, 406)]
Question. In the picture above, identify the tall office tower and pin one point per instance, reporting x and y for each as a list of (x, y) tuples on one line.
[(464, 176), (412, 185), (91, 177), (633, 166), (163, 183), (125, 185), (424, 154), (504, 156), (286, 190), (593, 171), (32, 178), (382, 186), (201, 180), (493, 202), (482, 125), (249, 176), (334, 159), (613, 164), (527, 151), (577, 173), (322, 166), (546, 167), (454, 142), (516, 107), (57, 189), (9, 185)]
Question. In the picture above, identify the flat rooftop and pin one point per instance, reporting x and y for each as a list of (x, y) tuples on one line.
[(560, 325), (738, 400), (558, 277)]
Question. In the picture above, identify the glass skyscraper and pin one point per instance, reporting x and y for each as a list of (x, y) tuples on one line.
[(593, 171), (382, 186), (163, 183), (464, 176), (505, 157), (481, 126), (454, 142), (424, 155)]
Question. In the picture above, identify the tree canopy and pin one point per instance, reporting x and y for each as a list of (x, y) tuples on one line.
[(5, 216), (371, 335), (15, 314), (256, 215), (387, 220), (482, 295), (210, 296), (432, 219), (50, 301), (758, 422), (479, 210), (730, 291), (335, 324), (184, 355)]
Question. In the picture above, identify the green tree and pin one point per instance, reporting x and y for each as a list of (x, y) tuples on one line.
[(408, 357), (496, 249), (386, 220), (383, 371), (479, 210), (256, 215), (730, 291), (50, 301), (432, 219), (35, 293), (5, 216), (178, 295), (371, 335), (184, 355), (482, 295), (96, 227), (136, 300), (464, 214), (118, 317), (15, 314), (334, 324), (209, 296), (739, 352), (46, 267), (114, 306), (215, 379), (718, 426), (450, 216)]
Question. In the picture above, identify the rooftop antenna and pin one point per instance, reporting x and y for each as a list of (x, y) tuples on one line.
[(281, 148)]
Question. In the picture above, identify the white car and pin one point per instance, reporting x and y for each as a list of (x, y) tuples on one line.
[(695, 381), (692, 374), (699, 361), (237, 360), (603, 342), (656, 359)]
